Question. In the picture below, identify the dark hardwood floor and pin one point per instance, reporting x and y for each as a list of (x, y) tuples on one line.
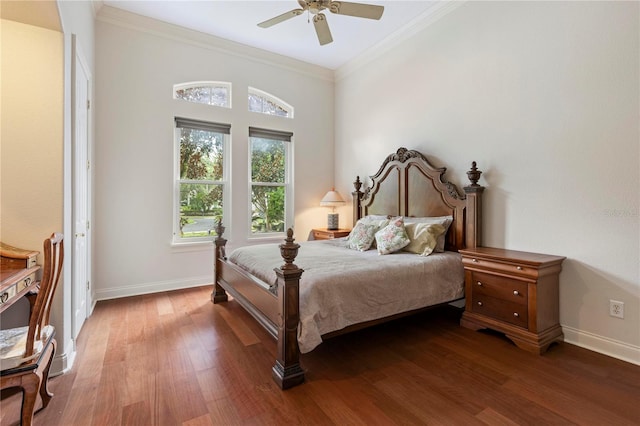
[(174, 358)]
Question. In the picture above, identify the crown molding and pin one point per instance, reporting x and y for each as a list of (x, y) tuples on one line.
[(96, 5), (423, 21), (132, 21)]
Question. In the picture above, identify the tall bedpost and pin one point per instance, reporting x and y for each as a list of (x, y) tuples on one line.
[(219, 295), (473, 231), (357, 200), (287, 371)]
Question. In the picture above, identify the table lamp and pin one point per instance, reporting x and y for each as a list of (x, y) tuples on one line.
[(332, 199)]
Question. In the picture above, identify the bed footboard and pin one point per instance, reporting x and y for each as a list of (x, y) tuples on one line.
[(276, 309)]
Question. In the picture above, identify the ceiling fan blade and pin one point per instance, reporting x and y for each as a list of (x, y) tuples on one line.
[(322, 29), (360, 10), (281, 18)]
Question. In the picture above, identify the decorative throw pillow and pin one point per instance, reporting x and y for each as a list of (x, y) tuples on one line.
[(423, 237), (377, 220), (439, 220), (361, 236), (392, 237)]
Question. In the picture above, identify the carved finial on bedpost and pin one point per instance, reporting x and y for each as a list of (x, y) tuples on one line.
[(357, 200), (219, 241), (474, 174), (473, 231), (357, 184), (289, 251), (287, 371), (218, 294)]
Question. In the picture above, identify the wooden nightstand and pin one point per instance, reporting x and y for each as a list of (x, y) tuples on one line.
[(329, 234), (513, 292)]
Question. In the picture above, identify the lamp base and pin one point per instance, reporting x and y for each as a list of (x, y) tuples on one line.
[(333, 221)]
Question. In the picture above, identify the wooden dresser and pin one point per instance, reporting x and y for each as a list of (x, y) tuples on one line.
[(513, 292), (329, 234), (18, 270)]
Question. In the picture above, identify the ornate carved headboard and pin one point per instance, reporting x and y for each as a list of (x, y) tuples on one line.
[(408, 185)]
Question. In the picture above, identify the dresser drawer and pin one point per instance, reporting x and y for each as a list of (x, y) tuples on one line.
[(500, 309), (12, 290), (26, 282), (499, 287), (8, 294)]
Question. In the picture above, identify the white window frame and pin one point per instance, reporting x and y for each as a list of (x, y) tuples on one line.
[(269, 97), (288, 186), (177, 239), (209, 84)]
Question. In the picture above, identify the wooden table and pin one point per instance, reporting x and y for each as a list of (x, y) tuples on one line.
[(18, 274)]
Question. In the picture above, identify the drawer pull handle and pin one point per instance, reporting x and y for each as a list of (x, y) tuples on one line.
[(516, 292), (479, 283), (519, 268), (4, 297), (474, 260), (479, 303), (515, 314)]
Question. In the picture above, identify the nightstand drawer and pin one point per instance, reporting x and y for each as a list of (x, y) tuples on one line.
[(512, 268), (499, 287), (329, 234), (318, 235), (514, 313)]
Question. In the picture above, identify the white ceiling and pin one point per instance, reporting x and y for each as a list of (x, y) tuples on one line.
[(237, 20)]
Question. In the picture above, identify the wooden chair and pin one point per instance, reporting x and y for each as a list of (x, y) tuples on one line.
[(26, 352)]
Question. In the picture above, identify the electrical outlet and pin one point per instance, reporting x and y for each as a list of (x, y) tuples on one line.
[(616, 309)]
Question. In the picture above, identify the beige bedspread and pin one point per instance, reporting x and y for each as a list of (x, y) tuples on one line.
[(340, 287)]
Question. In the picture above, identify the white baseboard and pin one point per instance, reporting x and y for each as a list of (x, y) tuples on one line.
[(63, 362), (604, 345), (154, 287)]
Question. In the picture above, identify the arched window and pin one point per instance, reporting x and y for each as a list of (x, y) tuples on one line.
[(265, 103), (216, 93)]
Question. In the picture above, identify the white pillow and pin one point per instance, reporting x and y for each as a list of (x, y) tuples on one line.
[(445, 221), (423, 237)]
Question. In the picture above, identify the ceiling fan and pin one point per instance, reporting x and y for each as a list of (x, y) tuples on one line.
[(315, 8)]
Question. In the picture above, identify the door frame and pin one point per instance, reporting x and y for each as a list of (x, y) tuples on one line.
[(78, 59)]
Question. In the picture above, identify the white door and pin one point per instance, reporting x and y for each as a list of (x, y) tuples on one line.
[(81, 191)]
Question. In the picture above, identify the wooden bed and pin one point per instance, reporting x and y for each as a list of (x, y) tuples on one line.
[(405, 185)]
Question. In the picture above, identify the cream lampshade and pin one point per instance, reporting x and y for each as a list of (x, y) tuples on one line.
[(332, 199)]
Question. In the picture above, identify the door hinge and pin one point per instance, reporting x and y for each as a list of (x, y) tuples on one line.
[(88, 165), (88, 104), (87, 285)]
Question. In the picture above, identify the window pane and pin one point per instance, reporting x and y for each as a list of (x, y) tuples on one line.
[(267, 160), (200, 154), (209, 94), (267, 209), (200, 208), (255, 103), (264, 103), (200, 95), (219, 96)]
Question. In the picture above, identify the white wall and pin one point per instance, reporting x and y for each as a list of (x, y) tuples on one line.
[(138, 60), (31, 161), (544, 96)]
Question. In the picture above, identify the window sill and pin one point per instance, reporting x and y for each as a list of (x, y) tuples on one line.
[(192, 246)]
